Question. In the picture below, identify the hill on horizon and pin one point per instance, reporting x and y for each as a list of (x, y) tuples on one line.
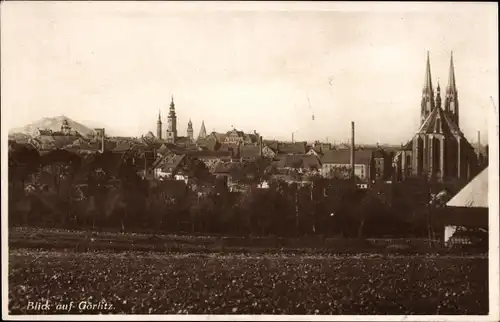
[(51, 123)]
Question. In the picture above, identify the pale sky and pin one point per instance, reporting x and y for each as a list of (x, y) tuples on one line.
[(250, 65)]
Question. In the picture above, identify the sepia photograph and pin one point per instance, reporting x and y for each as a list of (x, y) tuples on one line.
[(249, 160)]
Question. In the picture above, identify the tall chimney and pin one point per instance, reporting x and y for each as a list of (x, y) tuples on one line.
[(260, 146), (352, 152), (478, 142), (102, 141), (100, 132), (479, 146)]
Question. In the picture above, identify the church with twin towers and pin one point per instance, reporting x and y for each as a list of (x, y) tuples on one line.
[(171, 134), (438, 149)]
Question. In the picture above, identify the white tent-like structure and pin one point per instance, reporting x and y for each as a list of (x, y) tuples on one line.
[(470, 202), (474, 194)]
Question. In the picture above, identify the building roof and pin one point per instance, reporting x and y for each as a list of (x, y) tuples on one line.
[(122, 147), (273, 145), (474, 194), (292, 148), (430, 125), (182, 140), (344, 157), (228, 147), (202, 154), (235, 132), (249, 151), (221, 137), (224, 168), (302, 161), (169, 162)]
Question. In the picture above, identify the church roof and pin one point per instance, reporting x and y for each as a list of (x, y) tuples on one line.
[(430, 125)]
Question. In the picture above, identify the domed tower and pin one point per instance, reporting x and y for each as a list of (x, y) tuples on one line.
[(190, 133), (172, 123)]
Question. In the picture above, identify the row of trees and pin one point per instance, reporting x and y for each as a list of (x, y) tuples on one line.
[(103, 191)]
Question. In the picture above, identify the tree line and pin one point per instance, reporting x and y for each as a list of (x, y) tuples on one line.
[(62, 189)]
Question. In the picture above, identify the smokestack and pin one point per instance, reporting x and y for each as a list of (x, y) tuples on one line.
[(260, 146), (352, 151), (100, 132), (102, 141), (478, 142), (479, 146), (292, 137)]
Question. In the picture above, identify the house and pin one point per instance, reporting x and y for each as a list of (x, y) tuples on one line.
[(337, 163), (292, 148), (304, 163), (223, 170), (249, 152), (269, 152), (169, 167), (219, 137), (318, 149), (210, 158), (234, 137), (468, 208)]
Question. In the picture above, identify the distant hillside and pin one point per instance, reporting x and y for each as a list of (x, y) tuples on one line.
[(51, 123), (19, 137)]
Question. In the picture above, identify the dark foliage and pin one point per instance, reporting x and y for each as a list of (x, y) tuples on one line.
[(104, 191)]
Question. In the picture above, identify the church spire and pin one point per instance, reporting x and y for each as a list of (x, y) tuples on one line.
[(203, 131), (452, 86), (159, 126), (438, 95), (427, 103), (451, 101), (428, 77)]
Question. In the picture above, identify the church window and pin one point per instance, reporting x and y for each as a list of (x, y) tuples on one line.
[(438, 125)]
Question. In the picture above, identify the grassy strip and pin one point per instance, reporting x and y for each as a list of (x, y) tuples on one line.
[(171, 247)]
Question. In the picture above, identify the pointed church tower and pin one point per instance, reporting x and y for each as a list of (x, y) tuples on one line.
[(438, 96), (158, 126), (172, 123), (203, 131), (451, 100), (190, 131), (427, 104)]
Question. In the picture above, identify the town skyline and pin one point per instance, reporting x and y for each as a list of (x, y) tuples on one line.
[(255, 75)]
